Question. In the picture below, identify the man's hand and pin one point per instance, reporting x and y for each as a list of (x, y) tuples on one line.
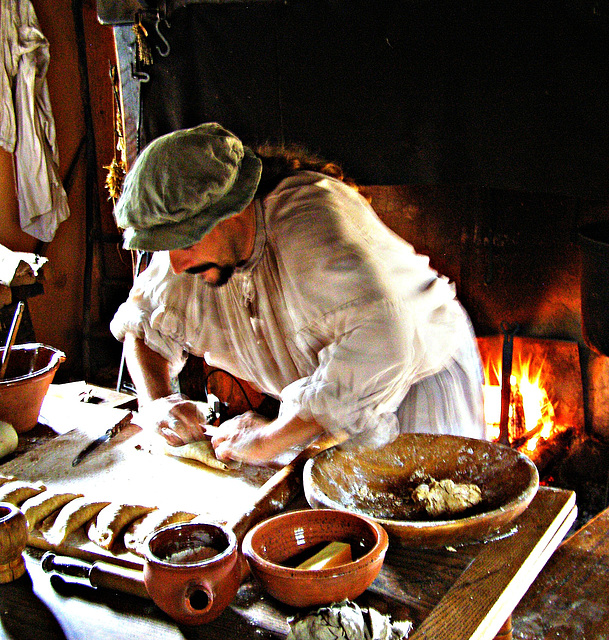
[(176, 418), (253, 439), (244, 438)]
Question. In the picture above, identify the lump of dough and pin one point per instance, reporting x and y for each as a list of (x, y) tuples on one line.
[(201, 451), (445, 497)]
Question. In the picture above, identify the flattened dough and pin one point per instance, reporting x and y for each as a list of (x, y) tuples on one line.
[(71, 517), (38, 507), (201, 451), (112, 520), (17, 491), (140, 529)]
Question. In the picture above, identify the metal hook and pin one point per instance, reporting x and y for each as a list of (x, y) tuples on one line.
[(142, 76), (167, 50)]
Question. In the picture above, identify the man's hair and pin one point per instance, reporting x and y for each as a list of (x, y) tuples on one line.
[(282, 161)]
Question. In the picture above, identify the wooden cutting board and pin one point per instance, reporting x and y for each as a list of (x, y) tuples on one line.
[(125, 470)]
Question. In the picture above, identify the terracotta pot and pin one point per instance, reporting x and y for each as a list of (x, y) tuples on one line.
[(13, 538), (31, 369), (272, 545), (192, 571)]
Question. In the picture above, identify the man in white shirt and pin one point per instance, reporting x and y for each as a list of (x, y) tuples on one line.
[(276, 270)]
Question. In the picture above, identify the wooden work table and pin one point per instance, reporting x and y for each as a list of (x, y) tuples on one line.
[(463, 593), (452, 594)]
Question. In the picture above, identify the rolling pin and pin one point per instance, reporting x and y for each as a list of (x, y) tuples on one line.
[(96, 574)]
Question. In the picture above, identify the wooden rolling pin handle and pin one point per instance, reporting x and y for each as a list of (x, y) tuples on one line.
[(97, 574), (119, 579)]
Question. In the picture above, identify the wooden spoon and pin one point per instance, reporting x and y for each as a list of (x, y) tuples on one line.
[(10, 340)]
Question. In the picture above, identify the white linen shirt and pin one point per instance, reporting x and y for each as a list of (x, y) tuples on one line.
[(334, 313)]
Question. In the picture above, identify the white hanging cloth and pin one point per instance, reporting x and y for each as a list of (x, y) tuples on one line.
[(27, 128)]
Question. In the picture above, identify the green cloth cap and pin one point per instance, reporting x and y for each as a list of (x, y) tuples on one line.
[(182, 184)]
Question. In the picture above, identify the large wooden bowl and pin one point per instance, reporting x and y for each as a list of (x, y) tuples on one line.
[(378, 484)]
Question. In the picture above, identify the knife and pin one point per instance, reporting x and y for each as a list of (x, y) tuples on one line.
[(110, 433)]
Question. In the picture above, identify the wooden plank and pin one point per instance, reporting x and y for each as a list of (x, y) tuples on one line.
[(521, 582), (126, 469), (484, 595), (414, 580), (569, 597), (85, 393), (78, 405)]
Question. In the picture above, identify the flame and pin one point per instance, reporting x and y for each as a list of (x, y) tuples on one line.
[(536, 406)]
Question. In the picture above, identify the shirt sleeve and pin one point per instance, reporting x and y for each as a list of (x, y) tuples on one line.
[(156, 312), (361, 376)]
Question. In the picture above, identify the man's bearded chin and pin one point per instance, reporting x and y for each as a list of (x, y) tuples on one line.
[(224, 273)]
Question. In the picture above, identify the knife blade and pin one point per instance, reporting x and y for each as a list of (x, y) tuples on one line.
[(110, 433)]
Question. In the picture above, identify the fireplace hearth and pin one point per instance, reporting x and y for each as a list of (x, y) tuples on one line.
[(547, 373)]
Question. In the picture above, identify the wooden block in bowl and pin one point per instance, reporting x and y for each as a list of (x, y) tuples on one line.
[(332, 555)]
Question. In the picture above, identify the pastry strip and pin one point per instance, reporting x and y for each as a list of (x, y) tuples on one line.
[(112, 520), (201, 451), (140, 529), (38, 507), (71, 517), (17, 491), (5, 479)]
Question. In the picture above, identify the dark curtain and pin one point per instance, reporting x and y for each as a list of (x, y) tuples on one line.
[(496, 94)]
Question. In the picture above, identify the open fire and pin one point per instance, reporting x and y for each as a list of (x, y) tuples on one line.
[(531, 415), (545, 420), (545, 395)]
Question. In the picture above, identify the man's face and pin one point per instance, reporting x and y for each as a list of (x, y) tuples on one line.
[(214, 258), (197, 260), (227, 246)]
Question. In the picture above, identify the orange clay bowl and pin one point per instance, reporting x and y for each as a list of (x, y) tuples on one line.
[(378, 484), (283, 540)]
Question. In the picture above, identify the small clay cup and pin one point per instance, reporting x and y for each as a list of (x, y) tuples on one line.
[(192, 571), (13, 538)]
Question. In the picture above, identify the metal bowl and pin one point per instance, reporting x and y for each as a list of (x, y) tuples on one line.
[(378, 484)]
